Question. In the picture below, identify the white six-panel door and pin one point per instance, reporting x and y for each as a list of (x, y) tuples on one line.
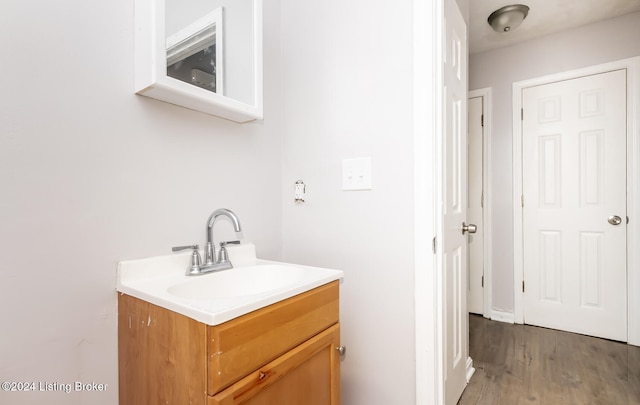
[(574, 189), (454, 205)]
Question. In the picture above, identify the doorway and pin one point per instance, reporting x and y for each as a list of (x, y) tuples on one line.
[(574, 171), (555, 284), (479, 208)]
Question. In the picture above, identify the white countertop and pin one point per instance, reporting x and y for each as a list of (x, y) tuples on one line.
[(218, 297)]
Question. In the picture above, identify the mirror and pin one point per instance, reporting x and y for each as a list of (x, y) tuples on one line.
[(194, 50), (201, 54)]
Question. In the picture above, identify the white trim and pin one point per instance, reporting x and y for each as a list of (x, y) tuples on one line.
[(470, 369), (436, 191), (633, 180), (485, 93), (501, 316), (518, 253), (427, 121), (633, 201)]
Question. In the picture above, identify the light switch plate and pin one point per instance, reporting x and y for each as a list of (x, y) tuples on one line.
[(356, 174)]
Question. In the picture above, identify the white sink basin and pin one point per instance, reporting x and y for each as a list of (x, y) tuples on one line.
[(242, 282), (217, 297)]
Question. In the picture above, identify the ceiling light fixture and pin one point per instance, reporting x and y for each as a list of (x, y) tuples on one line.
[(508, 18)]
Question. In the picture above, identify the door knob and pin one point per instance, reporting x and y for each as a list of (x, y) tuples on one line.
[(614, 220), (471, 228)]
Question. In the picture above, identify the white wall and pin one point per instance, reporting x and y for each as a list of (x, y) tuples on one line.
[(589, 45), (91, 174), (347, 83)]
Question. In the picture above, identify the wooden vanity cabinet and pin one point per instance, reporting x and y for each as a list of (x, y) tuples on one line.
[(282, 354)]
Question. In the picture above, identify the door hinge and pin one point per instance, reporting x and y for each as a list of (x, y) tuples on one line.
[(522, 285), (434, 245), (482, 282), (482, 200), (482, 120), (522, 114), (522, 200)]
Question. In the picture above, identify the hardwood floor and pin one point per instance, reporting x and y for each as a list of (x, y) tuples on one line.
[(521, 364)]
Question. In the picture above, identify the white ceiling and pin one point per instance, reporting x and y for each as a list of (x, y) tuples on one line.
[(545, 17)]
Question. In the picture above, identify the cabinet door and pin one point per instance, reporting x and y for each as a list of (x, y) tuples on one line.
[(308, 374)]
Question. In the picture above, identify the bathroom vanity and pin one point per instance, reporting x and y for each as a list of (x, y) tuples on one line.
[(277, 346)]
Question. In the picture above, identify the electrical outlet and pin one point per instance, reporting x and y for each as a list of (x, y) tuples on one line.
[(299, 190), (356, 174)]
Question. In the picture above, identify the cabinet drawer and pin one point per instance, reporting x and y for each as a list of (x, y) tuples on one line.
[(309, 374), (242, 345)]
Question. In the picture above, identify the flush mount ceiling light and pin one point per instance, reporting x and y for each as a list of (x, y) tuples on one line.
[(508, 18)]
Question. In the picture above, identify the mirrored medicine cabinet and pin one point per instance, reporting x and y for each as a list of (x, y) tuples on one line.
[(205, 55)]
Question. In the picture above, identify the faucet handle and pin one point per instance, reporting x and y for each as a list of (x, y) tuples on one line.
[(179, 248), (194, 266), (223, 256)]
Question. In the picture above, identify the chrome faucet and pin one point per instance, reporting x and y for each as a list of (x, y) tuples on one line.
[(210, 258), (211, 261)]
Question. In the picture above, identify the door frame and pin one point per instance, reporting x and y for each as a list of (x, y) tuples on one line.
[(485, 93), (427, 125), (632, 65)]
